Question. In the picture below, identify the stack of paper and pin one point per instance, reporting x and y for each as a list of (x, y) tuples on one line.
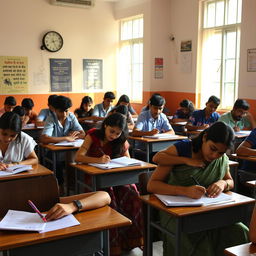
[(118, 163), (76, 143), (243, 132), (186, 201), (162, 136), (27, 221), (15, 169)]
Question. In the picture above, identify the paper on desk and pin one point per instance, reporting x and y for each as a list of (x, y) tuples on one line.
[(20, 220), (65, 222), (243, 132), (187, 201), (15, 169), (162, 136), (76, 143)]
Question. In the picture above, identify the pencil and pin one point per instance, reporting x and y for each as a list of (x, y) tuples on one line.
[(37, 211), (195, 180)]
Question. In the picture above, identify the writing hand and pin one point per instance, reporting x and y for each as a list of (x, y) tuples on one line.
[(105, 159), (3, 166), (153, 132), (236, 129), (196, 191), (60, 210)]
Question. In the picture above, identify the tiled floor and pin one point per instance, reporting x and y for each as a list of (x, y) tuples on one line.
[(157, 250)]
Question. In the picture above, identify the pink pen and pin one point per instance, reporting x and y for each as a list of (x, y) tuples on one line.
[(36, 210)]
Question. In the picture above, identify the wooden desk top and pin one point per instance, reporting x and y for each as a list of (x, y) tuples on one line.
[(97, 171), (249, 158), (149, 140), (52, 147), (178, 123), (38, 170), (91, 221), (184, 211), (232, 163), (241, 250)]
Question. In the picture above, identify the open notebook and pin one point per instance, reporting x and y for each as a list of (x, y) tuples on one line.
[(162, 136), (186, 201), (15, 169), (76, 143), (27, 221), (118, 163)]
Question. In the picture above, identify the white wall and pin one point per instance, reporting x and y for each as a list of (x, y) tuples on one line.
[(87, 33)]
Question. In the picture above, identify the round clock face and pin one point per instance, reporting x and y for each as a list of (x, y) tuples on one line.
[(52, 41)]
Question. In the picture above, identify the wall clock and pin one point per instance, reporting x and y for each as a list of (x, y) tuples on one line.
[(52, 41)]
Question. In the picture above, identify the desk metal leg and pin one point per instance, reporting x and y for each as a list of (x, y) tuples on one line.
[(54, 159), (94, 188), (178, 238), (149, 242), (106, 251), (147, 152)]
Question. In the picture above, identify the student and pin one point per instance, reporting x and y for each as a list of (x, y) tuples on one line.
[(16, 147), (184, 112), (100, 146), (87, 201), (44, 113), (166, 111), (85, 109), (124, 100), (153, 121), (239, 118), (123, 110), (204, 159), (252, 232), (202, 119), (20, 111), (30, 115), (101, 110), (64, 127), (9, 104)]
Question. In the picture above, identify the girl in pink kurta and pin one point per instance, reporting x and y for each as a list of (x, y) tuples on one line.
[(100, 146)]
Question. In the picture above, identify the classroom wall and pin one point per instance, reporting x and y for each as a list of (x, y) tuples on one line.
[(93, 33), (87, 33)]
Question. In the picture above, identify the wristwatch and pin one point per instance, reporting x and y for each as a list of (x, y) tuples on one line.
[(78, 204)]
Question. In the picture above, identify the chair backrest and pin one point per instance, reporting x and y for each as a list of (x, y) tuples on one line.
[(41, 190), (143, 182)]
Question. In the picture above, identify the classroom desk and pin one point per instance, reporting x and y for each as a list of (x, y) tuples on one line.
[(89, 237), (154, 145), (195, 219), (38, 170), (241, 250), (33, 131), (108, 178), (55, 150), (233, 168), (179, 127)]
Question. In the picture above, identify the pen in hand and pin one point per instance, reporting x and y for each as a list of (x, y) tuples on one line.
[(197, 183), (36, 210)]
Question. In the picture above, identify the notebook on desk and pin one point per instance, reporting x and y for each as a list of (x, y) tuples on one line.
[(162, 136), (187, 201), (15, 169), (118, 163), (76, 143)]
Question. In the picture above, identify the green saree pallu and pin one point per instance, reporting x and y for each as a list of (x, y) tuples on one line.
[(204, 243)]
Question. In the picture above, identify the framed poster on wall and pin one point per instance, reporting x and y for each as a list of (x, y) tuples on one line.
[(60, 75), (92, 71)]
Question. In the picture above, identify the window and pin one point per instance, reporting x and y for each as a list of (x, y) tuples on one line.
[(220, 44), (130, 66)]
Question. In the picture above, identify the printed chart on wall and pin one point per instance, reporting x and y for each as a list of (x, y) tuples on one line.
[(186, 56), (60, 73), (159, 68), (92, 69), (13, 74)]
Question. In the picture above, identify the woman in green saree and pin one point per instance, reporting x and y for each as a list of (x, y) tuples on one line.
[(204, 159)]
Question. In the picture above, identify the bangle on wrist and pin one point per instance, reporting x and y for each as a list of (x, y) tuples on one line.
[(227, 186)]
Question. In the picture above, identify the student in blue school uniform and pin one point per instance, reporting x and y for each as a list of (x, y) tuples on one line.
[(16, 147), (184, 112), (101, 110), (204, 159), (153, 121), (44, 113), (202, 119), (63, 127), (9, 104)]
